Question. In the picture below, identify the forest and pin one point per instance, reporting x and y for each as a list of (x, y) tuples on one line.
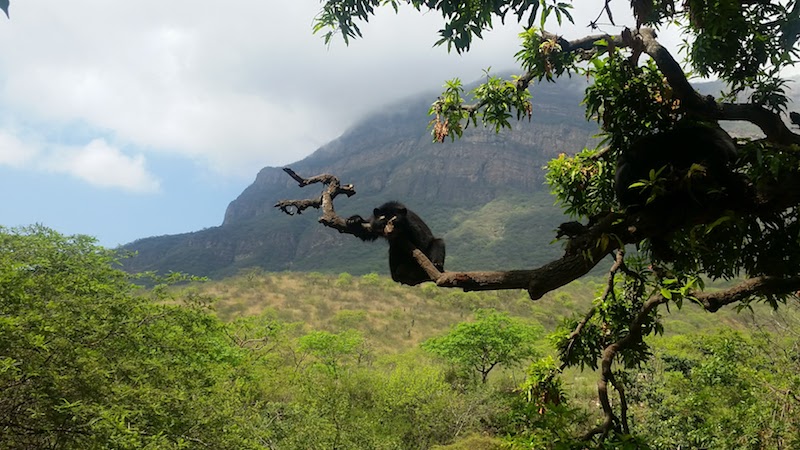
[(91, 360)]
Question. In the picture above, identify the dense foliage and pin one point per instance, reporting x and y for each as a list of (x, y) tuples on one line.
[(702, 209), (88, 360), (721, 390)]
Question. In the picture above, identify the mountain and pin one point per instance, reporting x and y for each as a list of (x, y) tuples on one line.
[(484, 194)]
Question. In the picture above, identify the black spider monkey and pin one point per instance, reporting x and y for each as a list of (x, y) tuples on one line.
[(402, 228), (708, 147)]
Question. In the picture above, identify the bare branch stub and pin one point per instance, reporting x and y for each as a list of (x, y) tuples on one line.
[(333, 189)]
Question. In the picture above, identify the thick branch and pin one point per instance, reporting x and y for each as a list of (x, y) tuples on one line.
[(426, 264), (573, 337), (760, 286), (769, 122), (583, 252), (623, 404), (644, 41)]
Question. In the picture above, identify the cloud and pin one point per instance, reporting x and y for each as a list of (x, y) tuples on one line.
[(103, 166), (14, 152), (233, 86)]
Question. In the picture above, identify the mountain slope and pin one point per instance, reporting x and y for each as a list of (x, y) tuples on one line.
[(483, 193)]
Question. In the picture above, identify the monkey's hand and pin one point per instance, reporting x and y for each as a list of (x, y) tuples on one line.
[(355, 220), (360, 228)]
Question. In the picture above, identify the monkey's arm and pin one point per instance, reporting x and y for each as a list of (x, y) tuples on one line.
[(361, 228)]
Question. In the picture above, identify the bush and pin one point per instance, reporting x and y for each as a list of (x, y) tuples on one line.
[(86, 363)]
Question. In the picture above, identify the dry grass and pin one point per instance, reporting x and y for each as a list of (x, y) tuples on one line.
[(395, 318)]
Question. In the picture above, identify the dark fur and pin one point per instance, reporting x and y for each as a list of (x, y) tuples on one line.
[(402, 228), (677, 150)]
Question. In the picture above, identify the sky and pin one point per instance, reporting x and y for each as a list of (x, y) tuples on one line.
[(123, 120)]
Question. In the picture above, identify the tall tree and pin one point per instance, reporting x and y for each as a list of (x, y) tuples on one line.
[(695, 203)]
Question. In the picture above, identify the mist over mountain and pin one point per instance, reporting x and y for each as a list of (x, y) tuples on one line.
[(483, 193)]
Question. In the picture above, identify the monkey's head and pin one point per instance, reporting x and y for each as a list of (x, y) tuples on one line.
[(387, 221)]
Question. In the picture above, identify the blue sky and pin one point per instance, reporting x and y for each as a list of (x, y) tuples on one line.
[(123, 120)]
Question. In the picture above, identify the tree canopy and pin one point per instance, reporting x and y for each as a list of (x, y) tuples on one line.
[(492, 339), (87, 360), (730, 213)]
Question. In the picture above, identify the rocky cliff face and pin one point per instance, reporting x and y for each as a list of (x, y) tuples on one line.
[(389, 156)]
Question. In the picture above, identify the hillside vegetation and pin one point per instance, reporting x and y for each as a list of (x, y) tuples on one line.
[(89, 360), (397, 318)]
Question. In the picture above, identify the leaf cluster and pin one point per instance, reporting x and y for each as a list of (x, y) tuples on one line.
[(543, 57), (746, 44), (498, 101), (583, 183), (628, 101), (463, 21)]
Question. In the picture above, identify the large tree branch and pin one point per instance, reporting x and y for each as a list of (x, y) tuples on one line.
[(609, 353), (769, 122), (754, 287), (583, 252)]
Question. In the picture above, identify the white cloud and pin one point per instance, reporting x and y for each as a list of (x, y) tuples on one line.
[(104, 166), (235, 86), (14, 152)]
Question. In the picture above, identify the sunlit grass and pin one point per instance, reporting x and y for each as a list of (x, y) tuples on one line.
[(397, 318)]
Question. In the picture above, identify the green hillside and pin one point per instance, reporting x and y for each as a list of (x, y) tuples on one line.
[(397, 318), (260, 361)]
